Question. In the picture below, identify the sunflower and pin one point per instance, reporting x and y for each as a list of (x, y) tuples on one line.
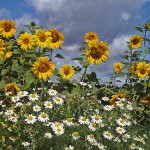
[(67, 71), (117, 67), (1, 44), (26, 41), (115, 96), (142, 69), (7, 28), (57, 39), (147, 25), (133, 69), (90, 36), (42, 37), (136, 41), (43, 68), (12, 87), (97, 52)]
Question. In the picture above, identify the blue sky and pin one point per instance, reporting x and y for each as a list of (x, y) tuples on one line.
[(113, 20)]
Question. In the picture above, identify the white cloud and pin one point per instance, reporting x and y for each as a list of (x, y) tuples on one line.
[(125, 16), (4, 13)]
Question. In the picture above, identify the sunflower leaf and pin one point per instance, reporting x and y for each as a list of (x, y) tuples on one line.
[(59, 56)]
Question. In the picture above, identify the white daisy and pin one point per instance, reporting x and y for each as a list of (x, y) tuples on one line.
[(83, 120), (59, 130), (108, 107), (13, 119), (105, 98), (129, 107), (36, 108), (117, 139), (127, 122), (9, 112), (101, 146), (1, 102), (15, 99), (22, 93), (91, 138), (19, 104), (75, 135), (33, 97), (58, 100), (25, 144), (120, 130), (68, 122), (43, 117), (48, 135), (69, 148), (8, 93), (128, 116), (83, 83), (132, 146), (52, 92), (56, 125), (96, 119), (30, 119), (92, 126), (126, 136), (107, 135), (48, 104), (121, 122), (119, 104), (90, 86)]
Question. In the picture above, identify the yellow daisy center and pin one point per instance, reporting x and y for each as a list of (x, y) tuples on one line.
[(68, 148), (69, 119), (91, 136), (93, 124), (57, 99), (33, 95), (30, 118), (108, 134), (76, 134), (96, 117), (43, 68), (43, 116), (83, 119), (58, 130), (48, 104), (122, 121)]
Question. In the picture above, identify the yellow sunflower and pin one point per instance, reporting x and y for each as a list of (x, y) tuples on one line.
[(7, 28), (117, 67), (67, 71), (26, 41), (1, 44), (97, 52), (147, 25), (12, 87), (57, 39), (133, 69), (42, 37), (136, 41), (142, 69), (43, 68), (115, 96), (90, 36)]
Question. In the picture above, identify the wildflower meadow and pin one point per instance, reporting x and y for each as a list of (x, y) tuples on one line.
[(37, 113)]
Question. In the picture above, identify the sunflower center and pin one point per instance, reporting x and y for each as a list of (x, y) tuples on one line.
[(91, 37), (30, 118), (42, 38), (55, 37), (43, 68), (75, 134), (7, 28), (66, 72), (135, 41), (95, 53), (26, 41), (43, 115), (12, 89), (143, 71)]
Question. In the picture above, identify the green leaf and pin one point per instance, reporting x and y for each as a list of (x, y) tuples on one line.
[(92, 77), (2, 84), (60, 56), (139, 29), (82, 49), (84, 64)]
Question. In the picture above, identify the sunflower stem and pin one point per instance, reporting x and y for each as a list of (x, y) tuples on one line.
[(84, 73)]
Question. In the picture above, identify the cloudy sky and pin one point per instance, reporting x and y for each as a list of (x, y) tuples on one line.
[(113, 20)]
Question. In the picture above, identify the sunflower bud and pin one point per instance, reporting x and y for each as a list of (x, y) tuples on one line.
[(147, 25)]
